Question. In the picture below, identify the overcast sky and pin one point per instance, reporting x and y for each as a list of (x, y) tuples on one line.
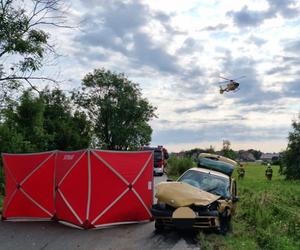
[(176, 51)]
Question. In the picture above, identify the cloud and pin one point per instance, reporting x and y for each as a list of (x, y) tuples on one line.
[(292, 89), (196, 108), (251, 18), (218, 27), (177, 63), (217, 132), (250, 89), (292, 46), (278, 70), (146, 53), (287, 8), (257, 40), (121, 28), (190, 46)]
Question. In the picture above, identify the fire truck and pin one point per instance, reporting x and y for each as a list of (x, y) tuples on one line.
[(160, 159)]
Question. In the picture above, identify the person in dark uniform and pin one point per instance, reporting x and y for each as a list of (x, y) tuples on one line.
[(241, 171), (269, 172)]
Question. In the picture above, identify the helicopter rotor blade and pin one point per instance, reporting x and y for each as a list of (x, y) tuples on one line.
[(224, 82), (224, 78), (239, 78)]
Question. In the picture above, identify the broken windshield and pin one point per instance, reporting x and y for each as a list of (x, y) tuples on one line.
[(207, 182)]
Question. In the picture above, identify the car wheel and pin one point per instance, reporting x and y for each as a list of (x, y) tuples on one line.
[(225, 222), (159, 227)]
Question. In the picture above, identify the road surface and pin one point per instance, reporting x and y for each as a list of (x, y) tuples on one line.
[(52, 235)]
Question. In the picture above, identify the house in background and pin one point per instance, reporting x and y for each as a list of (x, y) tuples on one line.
[(269, 157), (246, 156)]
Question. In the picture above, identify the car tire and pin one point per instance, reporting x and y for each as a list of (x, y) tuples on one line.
[(159, 227), (225, 222)]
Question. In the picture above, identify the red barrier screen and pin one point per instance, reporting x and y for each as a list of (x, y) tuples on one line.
[(29, 186), (131, 193), (86, 188)]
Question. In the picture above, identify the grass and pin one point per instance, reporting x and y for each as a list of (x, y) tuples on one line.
[(268, 214)]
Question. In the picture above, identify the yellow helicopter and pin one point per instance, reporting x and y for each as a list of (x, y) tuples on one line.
[(229, 84)]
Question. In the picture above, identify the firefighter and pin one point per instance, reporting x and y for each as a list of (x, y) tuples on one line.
[(241, 171), (269, 172)]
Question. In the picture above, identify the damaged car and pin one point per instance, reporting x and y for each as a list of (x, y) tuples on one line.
[(201, 198)]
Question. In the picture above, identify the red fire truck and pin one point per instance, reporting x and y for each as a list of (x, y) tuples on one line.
[(160, 159)]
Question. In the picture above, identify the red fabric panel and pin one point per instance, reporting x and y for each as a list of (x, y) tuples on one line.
[(65, 161), (106, 187), (92, 188), (127, 207), (128, 164), (29, 185), (144, 185), (72, 186), (22, 207)]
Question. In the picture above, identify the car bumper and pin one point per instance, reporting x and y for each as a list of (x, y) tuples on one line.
[(208, 220), (158, 171)]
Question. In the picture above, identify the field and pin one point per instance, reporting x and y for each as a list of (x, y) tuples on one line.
[(268, 214)]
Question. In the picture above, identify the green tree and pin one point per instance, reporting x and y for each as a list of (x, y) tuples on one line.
[(256, 153), (64, 130), (23, 42), (119, 112), (21, 126), (41, 123), (290, 158), (227, 151)]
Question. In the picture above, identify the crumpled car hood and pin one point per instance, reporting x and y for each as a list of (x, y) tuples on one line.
[(179, 194)]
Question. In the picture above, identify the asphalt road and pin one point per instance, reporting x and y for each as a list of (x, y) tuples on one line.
[(51, 235)]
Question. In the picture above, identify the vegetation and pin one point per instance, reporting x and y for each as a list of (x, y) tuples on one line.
[(231, 154), (177, 166), (41, 123), (117, 109), (23, 42), (227, 152), (290, 161), (267, 215)]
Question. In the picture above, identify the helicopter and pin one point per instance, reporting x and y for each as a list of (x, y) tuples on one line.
[(229, 84)]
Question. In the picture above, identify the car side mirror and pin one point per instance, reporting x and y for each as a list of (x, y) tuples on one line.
[(235, 198), (169, 180)]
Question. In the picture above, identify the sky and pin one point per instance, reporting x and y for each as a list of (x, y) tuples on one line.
[(176, 50)]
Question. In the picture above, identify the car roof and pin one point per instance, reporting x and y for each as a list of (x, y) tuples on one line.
[(208, 171)]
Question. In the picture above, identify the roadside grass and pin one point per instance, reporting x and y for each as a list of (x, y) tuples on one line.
[(267, 214)]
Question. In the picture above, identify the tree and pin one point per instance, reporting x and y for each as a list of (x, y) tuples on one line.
[(115, 105), (64, 130), (227, 151), (23, 42), (42, 122), (290, 158), (256, 153)]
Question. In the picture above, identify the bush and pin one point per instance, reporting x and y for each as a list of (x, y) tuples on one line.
[(290, 160), (177, 166)]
